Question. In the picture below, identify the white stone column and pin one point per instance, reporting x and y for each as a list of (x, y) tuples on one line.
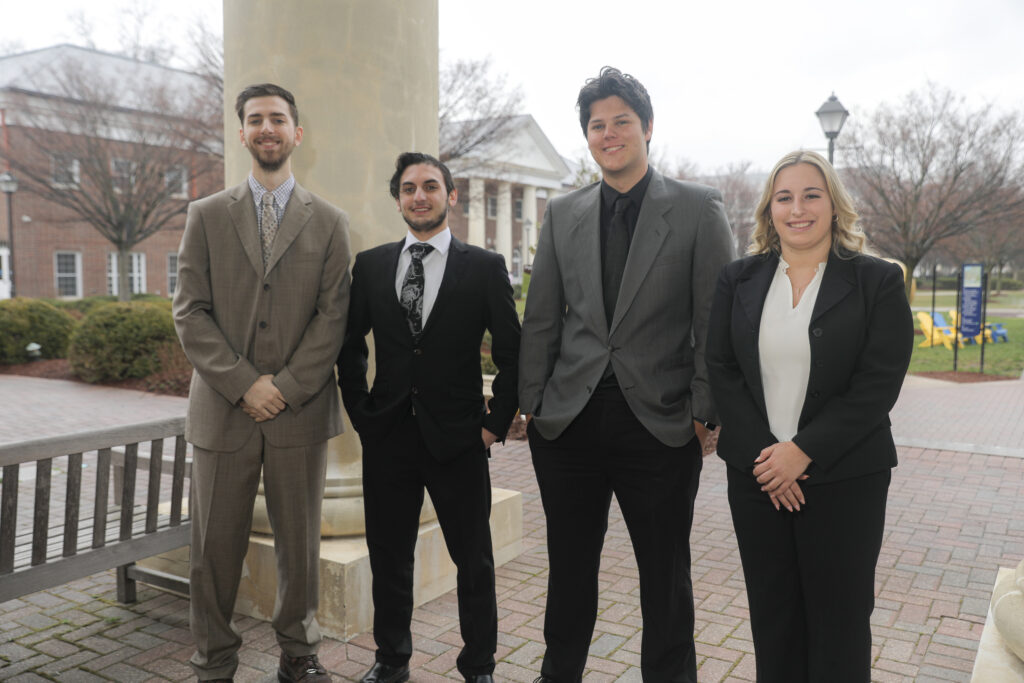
[(364, 76), (503, 231), (530, 227), (477, 235)]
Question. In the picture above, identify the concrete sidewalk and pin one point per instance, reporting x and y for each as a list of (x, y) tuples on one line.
[(954, 517)]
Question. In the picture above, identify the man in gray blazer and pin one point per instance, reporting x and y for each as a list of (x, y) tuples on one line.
[(261, 306), (612, 378)]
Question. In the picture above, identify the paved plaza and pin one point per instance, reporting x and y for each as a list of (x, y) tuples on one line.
[(956, 514)]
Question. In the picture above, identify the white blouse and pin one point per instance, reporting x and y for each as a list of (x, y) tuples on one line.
[(784, 350)]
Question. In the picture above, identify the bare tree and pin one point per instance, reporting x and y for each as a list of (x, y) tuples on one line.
[(995, 244), (476, 108), (740, 193), (931, 168), (119, 149)]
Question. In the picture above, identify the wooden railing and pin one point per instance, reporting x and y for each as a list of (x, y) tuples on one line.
[(118, 528)]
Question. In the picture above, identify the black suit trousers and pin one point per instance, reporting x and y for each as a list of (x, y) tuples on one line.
[(810, 576), (606, 451), (397, 467)]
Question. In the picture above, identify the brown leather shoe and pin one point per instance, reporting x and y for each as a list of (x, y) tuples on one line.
[(304, 669)]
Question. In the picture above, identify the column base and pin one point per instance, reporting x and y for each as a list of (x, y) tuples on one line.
[(346, 607), (996, 660)]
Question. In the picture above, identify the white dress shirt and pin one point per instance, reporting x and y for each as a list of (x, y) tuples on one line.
[(433, 267), (784, 350)]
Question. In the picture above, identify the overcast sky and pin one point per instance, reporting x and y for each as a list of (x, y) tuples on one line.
[(730, 80)]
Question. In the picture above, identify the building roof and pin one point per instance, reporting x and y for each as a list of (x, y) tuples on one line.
[(524, 154), (44, 72)]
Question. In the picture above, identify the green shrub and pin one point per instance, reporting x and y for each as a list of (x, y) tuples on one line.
[(949, 282), (24, 321), (120, 340)]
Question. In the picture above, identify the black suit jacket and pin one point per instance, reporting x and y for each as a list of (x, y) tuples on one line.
[(438, 377), (861, 336)]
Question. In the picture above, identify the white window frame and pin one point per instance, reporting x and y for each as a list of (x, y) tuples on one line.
[(181, 191), (65, 163), (77, 275), (136, 273), (517, 209), (125, 178), (172, 272), (492, 206)]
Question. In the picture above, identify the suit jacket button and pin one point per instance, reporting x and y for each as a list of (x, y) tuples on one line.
[(263, 325), (417, 352), (817, 332), (815, 394), (415, 390), (266, 287)]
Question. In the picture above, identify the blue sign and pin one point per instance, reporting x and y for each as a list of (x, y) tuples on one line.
[(971, 300)]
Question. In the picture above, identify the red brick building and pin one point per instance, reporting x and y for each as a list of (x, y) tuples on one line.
[(139, 163)]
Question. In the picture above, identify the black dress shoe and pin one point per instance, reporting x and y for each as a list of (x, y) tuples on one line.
[(384, 673), (304, 669), (480, 678), (543, 679)]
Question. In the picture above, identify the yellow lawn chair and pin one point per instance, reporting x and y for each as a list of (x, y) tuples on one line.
[(1000, 331), (934, 334)]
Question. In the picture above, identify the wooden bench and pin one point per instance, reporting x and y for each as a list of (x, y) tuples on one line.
[(124, 525)]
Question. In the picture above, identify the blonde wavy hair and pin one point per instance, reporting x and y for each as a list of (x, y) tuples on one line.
[(846, 234)]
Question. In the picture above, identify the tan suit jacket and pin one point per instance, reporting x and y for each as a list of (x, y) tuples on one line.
[(236, 322)]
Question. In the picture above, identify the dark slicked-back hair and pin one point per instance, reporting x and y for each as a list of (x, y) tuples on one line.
[(265, 90), (610, 82), (407, 159)]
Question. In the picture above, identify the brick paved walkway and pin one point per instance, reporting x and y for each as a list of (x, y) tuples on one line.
[(954, 518)]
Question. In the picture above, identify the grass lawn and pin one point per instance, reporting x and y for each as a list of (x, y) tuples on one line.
[(946, 299), (1005, 359)]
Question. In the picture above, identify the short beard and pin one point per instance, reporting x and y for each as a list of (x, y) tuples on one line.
[(270, 166), (419, 227)]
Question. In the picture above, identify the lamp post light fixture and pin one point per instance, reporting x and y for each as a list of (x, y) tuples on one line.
[(832, 115), (9, 185)]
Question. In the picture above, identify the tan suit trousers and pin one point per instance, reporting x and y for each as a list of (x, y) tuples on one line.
[(224, 487)]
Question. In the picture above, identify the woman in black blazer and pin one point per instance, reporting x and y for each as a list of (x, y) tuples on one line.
[(808, 344)]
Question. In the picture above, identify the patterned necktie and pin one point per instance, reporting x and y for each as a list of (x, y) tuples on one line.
[(412, 288), (616, 249), (268, 224)]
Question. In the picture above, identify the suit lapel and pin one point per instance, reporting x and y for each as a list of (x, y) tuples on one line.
[(242, 210), (585, 252), (454, 269), (838, 281), (752, 287), (297, 213), (652, 228)]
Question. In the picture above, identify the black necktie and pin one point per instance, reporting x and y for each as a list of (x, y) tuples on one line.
[(616, 249), (412, 288)]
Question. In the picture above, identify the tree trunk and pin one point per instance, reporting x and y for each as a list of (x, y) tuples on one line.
[(911, 265), (124, 261)]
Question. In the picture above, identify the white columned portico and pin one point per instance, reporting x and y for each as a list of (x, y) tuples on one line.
[(477, 216), (503, 231), (530, 227)]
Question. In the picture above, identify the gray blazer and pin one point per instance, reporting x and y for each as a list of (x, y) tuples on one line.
[(656, 340), (237, 323)]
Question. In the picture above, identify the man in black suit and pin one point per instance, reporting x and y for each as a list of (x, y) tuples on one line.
[(428, 300)]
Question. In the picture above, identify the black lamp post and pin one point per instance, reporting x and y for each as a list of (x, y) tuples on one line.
[(9, 185), (832, 115)]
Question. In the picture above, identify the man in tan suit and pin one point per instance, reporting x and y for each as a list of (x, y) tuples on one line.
[(261, 305)]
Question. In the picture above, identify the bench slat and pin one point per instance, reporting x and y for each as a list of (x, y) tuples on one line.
[(71, 499), (8, 517)]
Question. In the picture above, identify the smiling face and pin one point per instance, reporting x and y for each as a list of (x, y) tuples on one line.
[(269, 132), (618, 142), (801, 211), (423, 201)]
